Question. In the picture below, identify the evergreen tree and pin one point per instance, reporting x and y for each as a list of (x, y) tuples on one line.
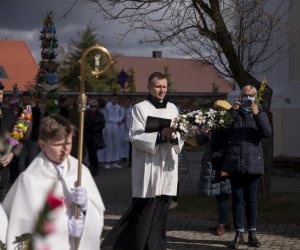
[(69, 70), (168, 75)]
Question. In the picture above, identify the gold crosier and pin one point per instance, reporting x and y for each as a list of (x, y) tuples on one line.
[(82, 107)]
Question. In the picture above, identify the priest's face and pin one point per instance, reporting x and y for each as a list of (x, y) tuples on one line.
[(57, 150), (158, 88)]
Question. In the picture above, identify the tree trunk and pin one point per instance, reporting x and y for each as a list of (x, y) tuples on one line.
[(268, 147)]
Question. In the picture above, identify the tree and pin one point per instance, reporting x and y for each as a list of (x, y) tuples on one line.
[(170, 83), (235, 36), (69, 70)]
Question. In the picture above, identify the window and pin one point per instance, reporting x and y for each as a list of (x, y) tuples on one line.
[(3, 74)]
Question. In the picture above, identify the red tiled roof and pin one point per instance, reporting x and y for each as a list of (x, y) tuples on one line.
[(187, 75), (19, 65)]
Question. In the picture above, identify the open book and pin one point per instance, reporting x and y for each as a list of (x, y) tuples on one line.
[(155, 124)]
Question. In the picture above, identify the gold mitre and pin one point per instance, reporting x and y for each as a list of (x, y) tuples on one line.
[(222, 104)]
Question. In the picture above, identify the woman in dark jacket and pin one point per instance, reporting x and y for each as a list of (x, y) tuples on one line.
[(94, 124), (245, 163)]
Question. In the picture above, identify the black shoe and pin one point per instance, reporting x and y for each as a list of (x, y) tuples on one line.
[(238, 240), (253, 241)]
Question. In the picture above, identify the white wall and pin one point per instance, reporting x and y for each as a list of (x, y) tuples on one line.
[(286, 131)]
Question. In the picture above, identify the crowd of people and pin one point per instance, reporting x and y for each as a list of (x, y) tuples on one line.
[(116, 131), (106, 128)]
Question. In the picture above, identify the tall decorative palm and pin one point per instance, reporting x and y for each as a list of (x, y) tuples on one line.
[(47, 77)]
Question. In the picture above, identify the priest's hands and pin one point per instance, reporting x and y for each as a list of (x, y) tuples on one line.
[(76, 226), (167, 134), (79, 197)]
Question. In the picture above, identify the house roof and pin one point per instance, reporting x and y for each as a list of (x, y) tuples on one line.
[(186, 75), (17, 65)]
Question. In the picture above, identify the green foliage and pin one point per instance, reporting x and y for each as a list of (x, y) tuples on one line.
[(170, 83), (69, 70)]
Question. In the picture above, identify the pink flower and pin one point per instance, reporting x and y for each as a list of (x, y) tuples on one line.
[(54, 202), (44, 248), (49, 228)]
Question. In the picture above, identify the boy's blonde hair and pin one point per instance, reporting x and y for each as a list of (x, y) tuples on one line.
[(55, 127)]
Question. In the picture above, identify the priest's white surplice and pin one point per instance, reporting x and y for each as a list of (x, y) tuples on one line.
[(154, 166)]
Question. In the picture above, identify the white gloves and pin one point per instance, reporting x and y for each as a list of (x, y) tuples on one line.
[(79, 197), (76, 226)]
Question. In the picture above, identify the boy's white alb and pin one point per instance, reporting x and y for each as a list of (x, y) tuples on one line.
[(27, 196)]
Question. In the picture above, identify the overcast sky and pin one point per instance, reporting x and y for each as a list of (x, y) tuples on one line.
[(23, 20)]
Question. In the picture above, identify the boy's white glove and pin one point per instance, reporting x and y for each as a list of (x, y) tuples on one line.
[(76, 226), (79, 197)]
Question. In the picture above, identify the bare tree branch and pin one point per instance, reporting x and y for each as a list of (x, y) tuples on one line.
[(233, 35)]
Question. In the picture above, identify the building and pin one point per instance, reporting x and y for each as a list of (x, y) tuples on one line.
[(186, 75), (17, 65)]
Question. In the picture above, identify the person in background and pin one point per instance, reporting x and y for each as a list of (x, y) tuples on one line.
[(54, 165), (30, 146), (113, 114), (94, 123), (74, 118), (244, 162), (8, 159), (154, 174), (66, 104), (213, 180), (101, 153), (125, 144)]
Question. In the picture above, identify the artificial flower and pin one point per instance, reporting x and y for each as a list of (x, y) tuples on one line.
[(188, 124), (20, 128), (53, 201)]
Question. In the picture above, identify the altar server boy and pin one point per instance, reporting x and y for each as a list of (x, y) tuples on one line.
[(55, 165)]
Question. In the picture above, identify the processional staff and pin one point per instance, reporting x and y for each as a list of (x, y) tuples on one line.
[(82, 106)]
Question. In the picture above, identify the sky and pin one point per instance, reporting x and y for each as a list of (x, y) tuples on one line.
[(23, 20)]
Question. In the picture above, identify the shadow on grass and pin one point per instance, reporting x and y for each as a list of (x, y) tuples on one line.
[(281, 208)]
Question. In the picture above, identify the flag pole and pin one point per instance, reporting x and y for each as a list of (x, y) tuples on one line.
[(82, 107)]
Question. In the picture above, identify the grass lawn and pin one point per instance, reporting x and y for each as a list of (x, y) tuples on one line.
[(281, 208)]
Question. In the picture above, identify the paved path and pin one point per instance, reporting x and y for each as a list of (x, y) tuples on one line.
[(185, 232)]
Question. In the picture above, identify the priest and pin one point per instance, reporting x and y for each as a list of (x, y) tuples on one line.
[(154, 172)]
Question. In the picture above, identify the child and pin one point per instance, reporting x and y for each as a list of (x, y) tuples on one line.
[(3, 223), (55, 165)]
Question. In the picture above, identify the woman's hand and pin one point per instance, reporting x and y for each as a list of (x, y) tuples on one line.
[(236, 105), (254, 108)]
